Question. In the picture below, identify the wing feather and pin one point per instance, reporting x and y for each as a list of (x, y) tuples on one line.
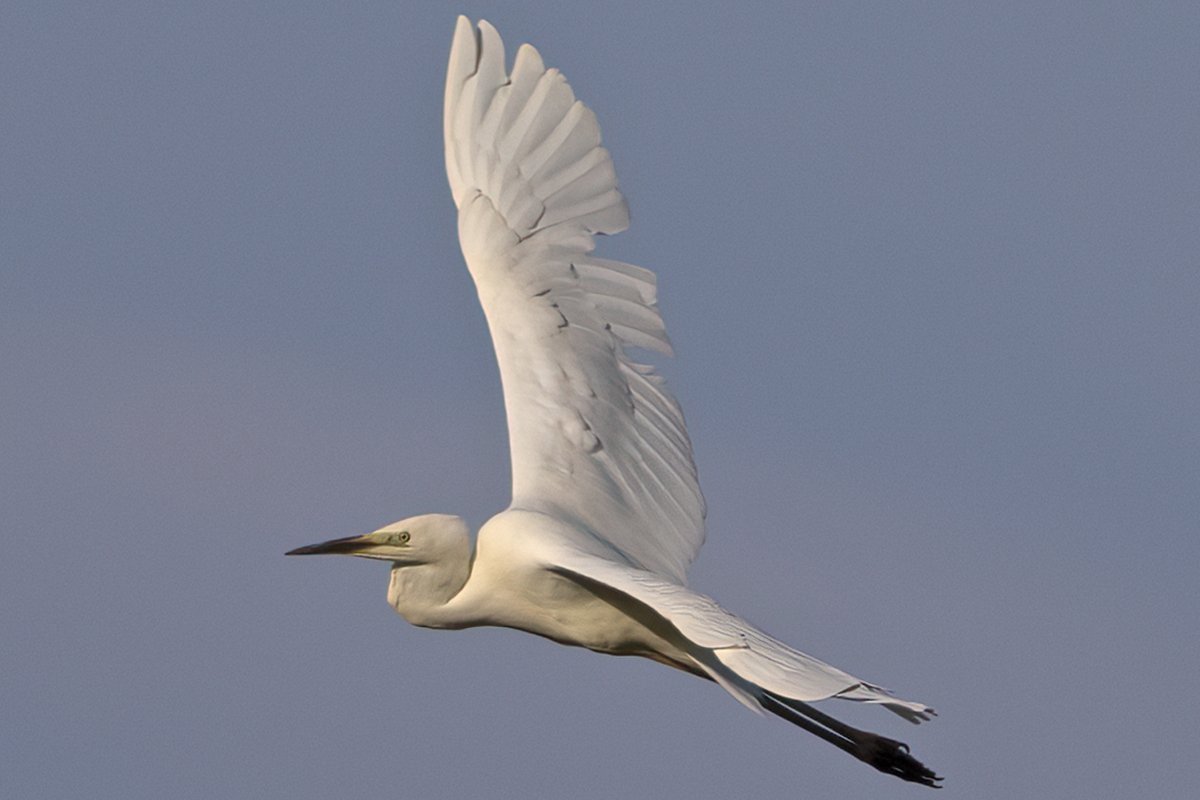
[(748, 652), (596, 438)]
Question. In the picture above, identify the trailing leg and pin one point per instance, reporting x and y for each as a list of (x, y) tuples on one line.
[(885, 755)]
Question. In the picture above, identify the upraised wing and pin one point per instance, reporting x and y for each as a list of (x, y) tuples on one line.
[(596, 438)]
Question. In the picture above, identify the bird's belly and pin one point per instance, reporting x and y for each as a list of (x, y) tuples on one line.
[(558, 608)]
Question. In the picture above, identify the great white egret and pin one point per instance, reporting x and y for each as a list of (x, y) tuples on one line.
[(606, 513)]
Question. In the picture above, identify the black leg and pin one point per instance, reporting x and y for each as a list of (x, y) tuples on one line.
[(885, 755)]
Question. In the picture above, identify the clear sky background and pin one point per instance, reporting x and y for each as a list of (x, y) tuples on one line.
[(932, 272)]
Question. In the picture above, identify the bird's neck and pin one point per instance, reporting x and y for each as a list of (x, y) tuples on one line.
[(421, 593)]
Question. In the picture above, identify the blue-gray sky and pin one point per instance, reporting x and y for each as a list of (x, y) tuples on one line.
[(932, 273)]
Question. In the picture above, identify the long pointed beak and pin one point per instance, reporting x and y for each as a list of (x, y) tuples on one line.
[(347, 546)]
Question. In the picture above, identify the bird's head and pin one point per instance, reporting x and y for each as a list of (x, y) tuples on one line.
[(426, 539)]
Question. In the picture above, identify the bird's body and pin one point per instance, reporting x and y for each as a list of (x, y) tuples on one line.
[(606, 513), (513, 583)]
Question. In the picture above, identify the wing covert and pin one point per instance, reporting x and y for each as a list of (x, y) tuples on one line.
[(596, 438)]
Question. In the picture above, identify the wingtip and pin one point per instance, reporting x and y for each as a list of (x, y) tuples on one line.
[(529, 59), (491, 49), (462, 27), (464, 51)]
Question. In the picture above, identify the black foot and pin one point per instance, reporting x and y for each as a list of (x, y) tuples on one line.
[(891, 757), (884, 754)]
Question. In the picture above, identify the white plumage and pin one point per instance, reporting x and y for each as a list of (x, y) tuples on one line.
[(595, 437), (606, 514)]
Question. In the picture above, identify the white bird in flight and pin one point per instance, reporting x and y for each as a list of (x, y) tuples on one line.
[(606, 511)]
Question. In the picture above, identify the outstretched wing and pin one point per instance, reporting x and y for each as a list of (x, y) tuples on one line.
[(596, 438), (743, 659)]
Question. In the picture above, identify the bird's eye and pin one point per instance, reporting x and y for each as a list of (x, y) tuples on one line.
[(401, 538)]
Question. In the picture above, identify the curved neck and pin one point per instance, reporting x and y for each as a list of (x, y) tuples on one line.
[(420, 592)]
